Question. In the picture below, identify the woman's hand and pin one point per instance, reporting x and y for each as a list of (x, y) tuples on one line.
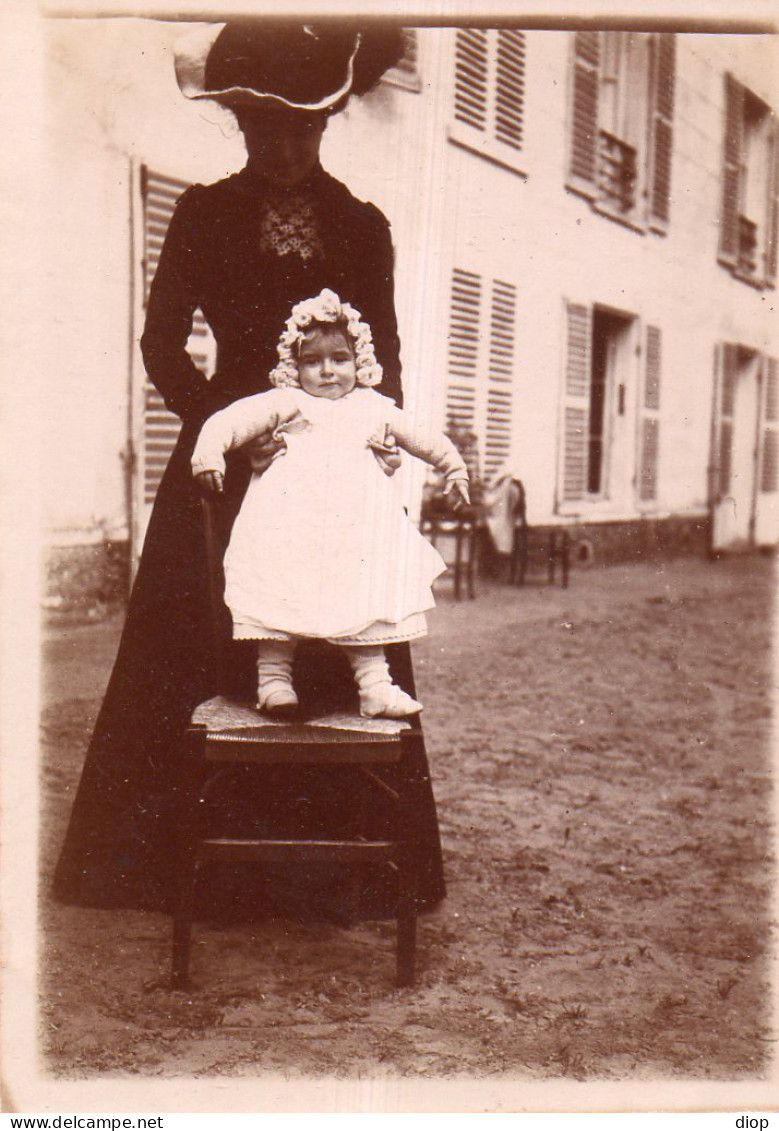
[(386, 451), (458, 489), (211, 482), (263, 449)]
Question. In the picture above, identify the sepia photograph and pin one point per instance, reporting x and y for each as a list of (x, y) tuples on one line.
[(443, 783)]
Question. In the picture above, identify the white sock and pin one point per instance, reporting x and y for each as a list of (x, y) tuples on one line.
[(274, 672), (369, 665), (378, 694)]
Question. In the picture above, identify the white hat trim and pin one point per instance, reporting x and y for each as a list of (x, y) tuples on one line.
[(191, 53), (325, 308)]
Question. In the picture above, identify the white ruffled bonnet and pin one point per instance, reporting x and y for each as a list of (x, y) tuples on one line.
[(326, 308)]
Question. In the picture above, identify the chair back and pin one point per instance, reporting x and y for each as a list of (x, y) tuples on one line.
[(215, 546), (518, 503)]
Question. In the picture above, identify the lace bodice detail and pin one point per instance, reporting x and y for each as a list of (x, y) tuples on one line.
[(289, 226)]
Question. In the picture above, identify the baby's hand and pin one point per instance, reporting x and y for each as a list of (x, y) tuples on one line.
[(210, 482), (386, 451), (458, 489)]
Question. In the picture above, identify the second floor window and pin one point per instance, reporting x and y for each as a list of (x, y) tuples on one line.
[(489, 93), (750, 181), (622, 124)]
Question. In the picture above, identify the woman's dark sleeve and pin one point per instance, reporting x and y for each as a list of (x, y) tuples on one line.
[(377, 301), (173, 298)]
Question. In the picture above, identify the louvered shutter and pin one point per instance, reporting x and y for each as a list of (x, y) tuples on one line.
[(489, 91), (471, 78), (727, 400), (772, 228), (160, 426), (463, 352), (769, 459), (500, 377), (584, 115), (576, 401), (662, 126), (649, 438), (509, 88), (731, 172)]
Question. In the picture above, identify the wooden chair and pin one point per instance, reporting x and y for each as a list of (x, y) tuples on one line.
[(557, 546), (225, 733), (463, 532)]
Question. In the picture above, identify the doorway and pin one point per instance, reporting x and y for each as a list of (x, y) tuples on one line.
[(737, 436), (609, 461)]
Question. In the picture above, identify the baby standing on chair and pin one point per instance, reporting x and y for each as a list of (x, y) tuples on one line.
[(322, 546)]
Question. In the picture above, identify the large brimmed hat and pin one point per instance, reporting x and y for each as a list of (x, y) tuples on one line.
[(302, 66)]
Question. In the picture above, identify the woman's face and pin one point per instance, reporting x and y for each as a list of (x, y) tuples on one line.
[(326, 365), (283, 145)]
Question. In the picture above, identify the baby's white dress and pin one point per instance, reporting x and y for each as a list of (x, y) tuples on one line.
[(322, 546)]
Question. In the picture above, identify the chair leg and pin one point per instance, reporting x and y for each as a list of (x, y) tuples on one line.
[(458, 561), (182, 933), (407, 869), (407, 944), (566, 554), (187, 816), (472, 551)]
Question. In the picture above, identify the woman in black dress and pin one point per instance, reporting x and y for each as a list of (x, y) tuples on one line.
[(243, 250)]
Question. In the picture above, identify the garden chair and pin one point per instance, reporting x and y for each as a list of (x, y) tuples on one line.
[(225, 733), (557, 547), (457, 534)]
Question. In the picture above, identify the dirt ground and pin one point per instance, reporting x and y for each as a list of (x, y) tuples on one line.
[(601, 763)]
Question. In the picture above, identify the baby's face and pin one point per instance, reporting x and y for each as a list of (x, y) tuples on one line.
[(326, 364)]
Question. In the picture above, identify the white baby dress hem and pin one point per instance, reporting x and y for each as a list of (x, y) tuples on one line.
[(412, 627)]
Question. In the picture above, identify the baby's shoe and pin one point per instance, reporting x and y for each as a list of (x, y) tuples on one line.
[(387, 700), (279, 703)]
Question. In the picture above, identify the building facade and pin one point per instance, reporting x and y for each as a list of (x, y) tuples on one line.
[(586, 241)]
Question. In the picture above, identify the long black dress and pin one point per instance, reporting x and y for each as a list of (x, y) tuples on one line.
[(244, 253)]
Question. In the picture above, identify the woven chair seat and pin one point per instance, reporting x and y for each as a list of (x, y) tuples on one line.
[(229, 718)]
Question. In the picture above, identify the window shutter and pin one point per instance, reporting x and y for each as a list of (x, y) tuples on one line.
[(471, 75), (662, 126), (500, 372), (584, 125), (731, 173), (649, 440), (769, 464), (510, 88), (160, 426), (772, 229), (576, 401), (464, 315), (727, 398), (489, 92)]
